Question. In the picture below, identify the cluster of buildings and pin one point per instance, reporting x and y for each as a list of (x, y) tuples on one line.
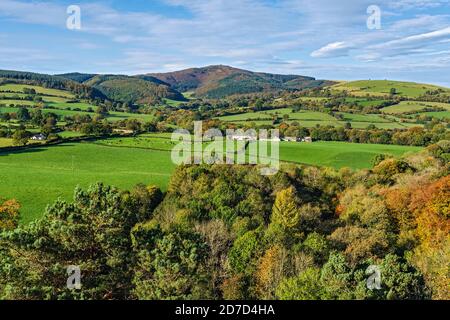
[(255, 138)]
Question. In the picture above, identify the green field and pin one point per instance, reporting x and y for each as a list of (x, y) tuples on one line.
[(112, 116), (188, 94), (116, 116), (70, 134), (370, 103), (9, 102), (79, 105), (414, 106), (146, 141), (15, 96), (39, 90), (5, 142), (437, 114), (39, 176), (310, 119), (269, 114), (373, 118), (383, 87), (338, 154), (172, 103)]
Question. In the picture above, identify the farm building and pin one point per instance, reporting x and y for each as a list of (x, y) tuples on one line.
[(242, 137), (39, 137), (294, 139), (270, 139)]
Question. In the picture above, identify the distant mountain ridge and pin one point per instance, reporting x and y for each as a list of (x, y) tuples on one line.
[(219, 81)]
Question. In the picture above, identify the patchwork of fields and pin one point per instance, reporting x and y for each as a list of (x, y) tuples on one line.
[(414, 106), (57, 102), (39, 90), (310, 119), (383, 87), (38, 176)]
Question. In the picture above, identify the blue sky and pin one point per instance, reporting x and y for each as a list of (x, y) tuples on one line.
[(327, 39)]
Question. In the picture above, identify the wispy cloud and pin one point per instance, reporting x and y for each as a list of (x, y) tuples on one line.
[(334, 49), (45, 13), (273, 35), (421, 4), (410, 45)]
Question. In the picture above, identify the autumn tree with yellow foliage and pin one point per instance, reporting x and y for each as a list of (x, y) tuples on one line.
[(9, 214)]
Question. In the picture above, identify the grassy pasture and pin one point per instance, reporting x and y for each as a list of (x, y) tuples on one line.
[(39, 90), (173, 103), (373, 118), (70, 134), (383, 87), (437, 114), (269, 114), (142, 141), (5, 142), (336, 123), (14, 96), (9, 102), (113, 116), (413, 106), (80, 105), (116, 116), (370, 103), (37, 177), (310, 119), (338, 154), (383, 125)]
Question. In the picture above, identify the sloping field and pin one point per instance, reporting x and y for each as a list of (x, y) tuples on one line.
[(39, 90), (338, 154), (310, 119), (37, 177), (414, 106), (383, 87)]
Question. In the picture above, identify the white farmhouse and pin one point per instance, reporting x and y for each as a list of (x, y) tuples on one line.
[(39, 137), (242, 137)]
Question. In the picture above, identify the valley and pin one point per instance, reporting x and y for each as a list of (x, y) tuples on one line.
[(142, 154)]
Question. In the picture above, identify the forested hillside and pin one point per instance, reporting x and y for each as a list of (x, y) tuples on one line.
[(76, 76), (49, 81), (221, 81), (133, 89)]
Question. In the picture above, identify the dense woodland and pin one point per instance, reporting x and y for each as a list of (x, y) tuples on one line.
[(226, 232)]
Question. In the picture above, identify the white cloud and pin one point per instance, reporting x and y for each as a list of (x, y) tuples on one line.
[(415, 44), (275, 35), (334, 49), (414, 4), (34, 12)]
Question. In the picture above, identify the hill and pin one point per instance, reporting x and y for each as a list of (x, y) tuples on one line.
[(52, 82), (134, 89), (76, 76), (220, 81), (383, 88)]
